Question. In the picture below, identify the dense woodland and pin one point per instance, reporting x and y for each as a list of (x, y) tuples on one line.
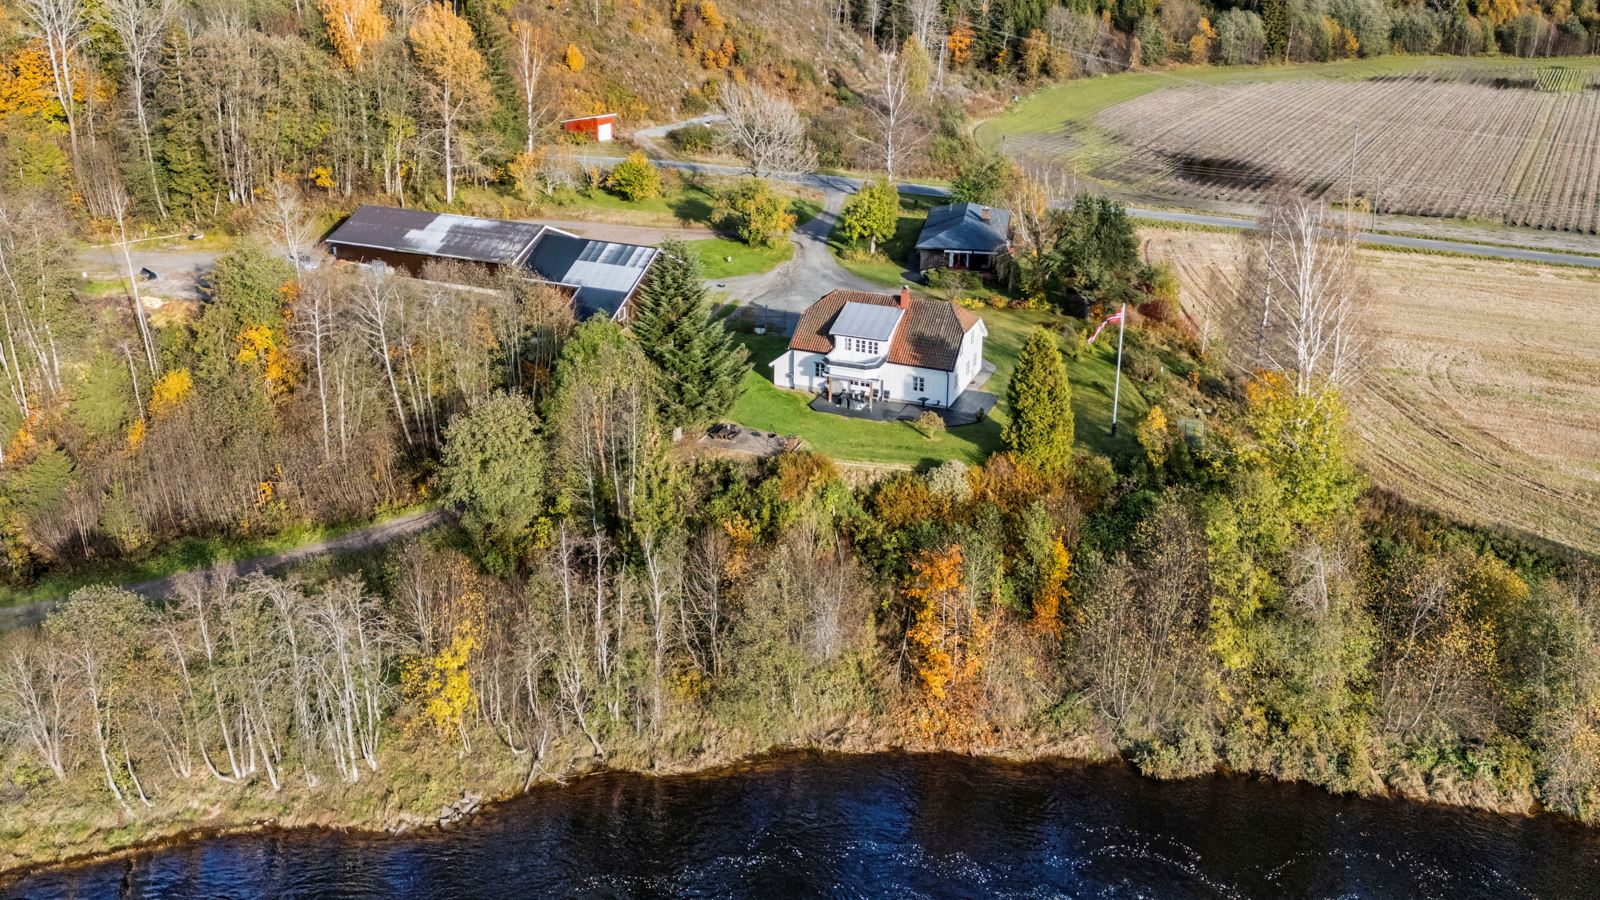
[(1226, 594)]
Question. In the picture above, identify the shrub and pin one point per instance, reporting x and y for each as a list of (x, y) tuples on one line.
[(953, 280), (754, 212), (929, 424), (693, 138), (634, 179), (1161, 289), (951, 479)]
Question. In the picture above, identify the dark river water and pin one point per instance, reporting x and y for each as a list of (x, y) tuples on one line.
[(890, 826)]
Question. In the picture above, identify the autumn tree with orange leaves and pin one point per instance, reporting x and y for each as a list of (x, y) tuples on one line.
[(949, 640)]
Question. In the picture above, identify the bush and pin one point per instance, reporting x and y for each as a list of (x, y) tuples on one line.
[(953, 280), (754, 213), (1161, 303), (634, 179), (693, 138), (929, 424), (952, 480)]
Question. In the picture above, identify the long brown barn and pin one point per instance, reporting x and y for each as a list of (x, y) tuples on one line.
[(601, 275)]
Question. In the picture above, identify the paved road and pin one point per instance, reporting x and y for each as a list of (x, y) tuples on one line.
[(367, 538), (1404, 242), (813, 271)]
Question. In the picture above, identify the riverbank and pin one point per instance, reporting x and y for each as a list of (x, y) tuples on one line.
[(421, 789), (883, 824)]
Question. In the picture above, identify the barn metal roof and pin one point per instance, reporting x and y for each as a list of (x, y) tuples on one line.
[(603, 273), (867, 320), (965, 226), (438, 234)]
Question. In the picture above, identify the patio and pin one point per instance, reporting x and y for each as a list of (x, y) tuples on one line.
[(970, 408)]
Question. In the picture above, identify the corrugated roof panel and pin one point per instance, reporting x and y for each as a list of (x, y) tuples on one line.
[(867, 320), (437, 234)]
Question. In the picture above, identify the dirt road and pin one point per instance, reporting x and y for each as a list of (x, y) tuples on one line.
[(366, 538)]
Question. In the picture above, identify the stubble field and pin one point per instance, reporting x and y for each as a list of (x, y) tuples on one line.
[(1481, 390), (1424, 145)]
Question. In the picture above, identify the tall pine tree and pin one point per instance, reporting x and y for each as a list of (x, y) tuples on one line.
[(699, 366), (1040, 431)]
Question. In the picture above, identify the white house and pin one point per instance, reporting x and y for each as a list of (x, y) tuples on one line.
[(875, 347)]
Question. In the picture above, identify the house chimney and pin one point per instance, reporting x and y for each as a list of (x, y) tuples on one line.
[(984, 214), (905, 297)]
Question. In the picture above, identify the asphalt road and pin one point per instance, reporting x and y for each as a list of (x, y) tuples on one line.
[(846, 184)]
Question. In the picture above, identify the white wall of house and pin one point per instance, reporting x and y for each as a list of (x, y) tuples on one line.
[(970, 359), (796, 370)]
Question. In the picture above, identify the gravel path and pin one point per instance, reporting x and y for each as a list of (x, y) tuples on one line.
[(371, 536)]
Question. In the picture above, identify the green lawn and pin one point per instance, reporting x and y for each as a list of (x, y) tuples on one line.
[(889, 266), (764, 407), (722, 258), (689, 203)]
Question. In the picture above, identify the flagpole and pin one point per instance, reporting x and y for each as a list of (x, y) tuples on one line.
[(1116, 391)]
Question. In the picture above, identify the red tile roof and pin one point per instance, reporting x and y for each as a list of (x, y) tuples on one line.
[(929, 335)]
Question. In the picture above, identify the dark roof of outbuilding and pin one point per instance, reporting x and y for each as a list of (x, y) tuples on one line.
[(442, 235), (965, 226), (929, 335), (602, 273)]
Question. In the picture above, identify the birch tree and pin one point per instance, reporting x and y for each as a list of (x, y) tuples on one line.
[(456, 80), (527, 58), (894, 112), (63, 26), (140, 27), (1304, 294), (765, 130), (35, 698)]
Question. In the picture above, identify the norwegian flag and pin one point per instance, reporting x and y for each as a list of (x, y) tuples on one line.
[(1114, 317)]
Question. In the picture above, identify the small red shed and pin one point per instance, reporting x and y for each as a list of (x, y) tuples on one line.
[(599, 127)]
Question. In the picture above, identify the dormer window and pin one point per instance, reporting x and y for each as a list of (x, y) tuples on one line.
[(862, 345)]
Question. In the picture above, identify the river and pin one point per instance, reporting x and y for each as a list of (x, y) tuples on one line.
[(888, 825)]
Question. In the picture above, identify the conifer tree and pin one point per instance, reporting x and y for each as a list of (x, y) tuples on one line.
[(699, 366), (1040, 431)]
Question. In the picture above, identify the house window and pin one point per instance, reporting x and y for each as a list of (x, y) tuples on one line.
[(819, 368), (918, 384), (859, 345)]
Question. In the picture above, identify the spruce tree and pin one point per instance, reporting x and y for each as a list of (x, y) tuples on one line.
[(698, 365), (1040, 430)]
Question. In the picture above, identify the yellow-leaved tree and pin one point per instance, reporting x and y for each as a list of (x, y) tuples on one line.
[(1053, 595), (440, 683), (353, 26), (457, 81)]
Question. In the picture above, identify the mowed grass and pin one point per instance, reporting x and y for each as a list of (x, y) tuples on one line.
[(894, 262), (686, 203), (764, 407), (723, 258)]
